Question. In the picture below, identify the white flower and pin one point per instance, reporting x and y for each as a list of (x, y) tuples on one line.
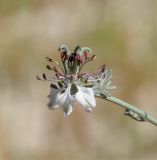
[(66, 99), (69, 86)]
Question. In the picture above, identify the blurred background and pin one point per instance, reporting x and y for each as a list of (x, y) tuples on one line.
[(123, 35)]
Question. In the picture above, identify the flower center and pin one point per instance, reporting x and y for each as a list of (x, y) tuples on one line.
[(74, 62)]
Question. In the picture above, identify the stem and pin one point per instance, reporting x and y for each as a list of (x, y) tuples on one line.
[(139, 113)]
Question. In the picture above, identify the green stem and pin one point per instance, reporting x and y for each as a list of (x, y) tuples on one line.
[(139, 112)]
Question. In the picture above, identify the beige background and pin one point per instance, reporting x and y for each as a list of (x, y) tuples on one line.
[(123, 35)]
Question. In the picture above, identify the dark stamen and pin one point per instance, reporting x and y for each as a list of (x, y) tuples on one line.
[(93, 57), (48, 67), (55, 69), (49, 59), (60, 84), (53, 86), (89, 59), (44, 76), (103, 67)]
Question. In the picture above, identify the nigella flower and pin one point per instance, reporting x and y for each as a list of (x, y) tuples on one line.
[(69, 86)]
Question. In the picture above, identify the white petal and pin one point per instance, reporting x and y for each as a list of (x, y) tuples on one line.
[(68, 111), (65, 100), (85, 97)]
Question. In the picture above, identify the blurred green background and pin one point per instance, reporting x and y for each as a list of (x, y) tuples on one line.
[(123, 35)]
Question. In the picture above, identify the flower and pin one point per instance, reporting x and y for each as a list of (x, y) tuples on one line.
[(72, 94), (69, 86)]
